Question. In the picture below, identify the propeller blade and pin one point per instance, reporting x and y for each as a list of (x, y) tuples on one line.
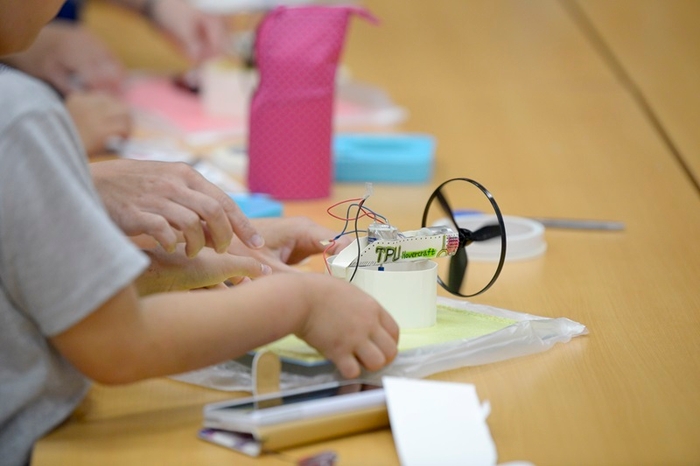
[(446, 207), (485, 232), (458, 267)]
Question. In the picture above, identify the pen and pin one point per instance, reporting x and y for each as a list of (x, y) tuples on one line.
[(564, 223), (580, 224)]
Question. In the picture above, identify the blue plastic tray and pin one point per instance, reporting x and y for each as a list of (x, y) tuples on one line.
[(257, 205), (389, 158)]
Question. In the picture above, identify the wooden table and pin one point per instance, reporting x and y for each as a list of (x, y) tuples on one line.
[(521, 97), (654, 47)]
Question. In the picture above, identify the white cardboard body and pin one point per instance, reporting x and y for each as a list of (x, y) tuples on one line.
[(407, 290)]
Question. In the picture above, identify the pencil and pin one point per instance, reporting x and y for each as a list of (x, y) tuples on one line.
[(580, 224)]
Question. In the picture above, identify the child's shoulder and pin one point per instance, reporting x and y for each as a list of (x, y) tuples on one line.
[(21, 94)]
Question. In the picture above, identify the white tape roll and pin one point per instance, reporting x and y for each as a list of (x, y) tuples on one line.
[(407, 290)]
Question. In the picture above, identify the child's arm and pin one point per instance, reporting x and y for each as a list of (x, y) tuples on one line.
[(177, 272), (127, 340), (288, 241)]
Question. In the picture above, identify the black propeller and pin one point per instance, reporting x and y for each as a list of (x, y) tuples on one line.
[(482, 234), (459, 262)]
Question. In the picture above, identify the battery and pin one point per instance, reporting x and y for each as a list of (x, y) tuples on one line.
[(381, 231)]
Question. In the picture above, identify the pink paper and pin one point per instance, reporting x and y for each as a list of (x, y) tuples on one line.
[(159, 96), (184, 111)]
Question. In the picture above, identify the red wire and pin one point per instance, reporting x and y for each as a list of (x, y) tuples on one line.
[(366, 212), (328, 210)]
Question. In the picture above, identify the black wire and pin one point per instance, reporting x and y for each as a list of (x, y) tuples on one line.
[(375, 215), (360, 209), (356, 230), (350, 233), (357, 238), (347, 221)]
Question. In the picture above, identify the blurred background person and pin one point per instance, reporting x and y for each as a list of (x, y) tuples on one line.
[(82, 69)]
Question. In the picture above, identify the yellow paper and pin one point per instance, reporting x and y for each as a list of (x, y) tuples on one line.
[(452, 324)]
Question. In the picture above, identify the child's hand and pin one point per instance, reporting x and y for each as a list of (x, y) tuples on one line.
[(288, 241), (348, 326), (177, 272), (98, 117), (172, 203)]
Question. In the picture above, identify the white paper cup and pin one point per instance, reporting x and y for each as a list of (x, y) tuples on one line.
[(225, 89), (407, 290)]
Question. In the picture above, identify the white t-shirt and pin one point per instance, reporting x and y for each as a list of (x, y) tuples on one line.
[(61, 257)]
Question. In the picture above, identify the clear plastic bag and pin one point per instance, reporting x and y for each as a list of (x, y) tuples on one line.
[(528, 334)]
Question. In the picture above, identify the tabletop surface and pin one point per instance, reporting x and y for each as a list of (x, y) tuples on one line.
[(657, 57), (520, 96)]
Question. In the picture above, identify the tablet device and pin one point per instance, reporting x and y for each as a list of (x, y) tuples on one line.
[(268, 423), (250, 414)]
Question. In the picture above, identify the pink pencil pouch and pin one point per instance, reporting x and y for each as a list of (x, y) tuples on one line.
[(297, 50)]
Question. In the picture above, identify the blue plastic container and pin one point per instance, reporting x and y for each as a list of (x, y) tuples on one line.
[(388, 158), (257, 205)]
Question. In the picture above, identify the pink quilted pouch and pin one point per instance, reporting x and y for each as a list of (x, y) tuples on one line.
[(291, 115)]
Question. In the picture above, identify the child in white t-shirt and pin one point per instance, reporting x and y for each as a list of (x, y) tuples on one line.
[(69, 311)]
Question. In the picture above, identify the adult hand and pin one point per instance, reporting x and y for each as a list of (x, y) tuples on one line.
[(70, 58), (201, 35), (98, 117), (177, 272), (172, 203), (288, 241)]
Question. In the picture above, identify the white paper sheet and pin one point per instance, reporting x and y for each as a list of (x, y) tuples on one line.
[(436, 422)]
